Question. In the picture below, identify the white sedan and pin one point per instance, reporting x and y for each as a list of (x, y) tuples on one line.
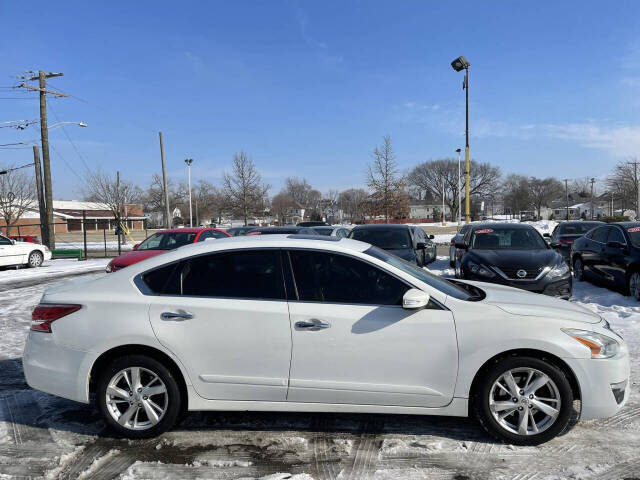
[(22, 253), (304, 323)]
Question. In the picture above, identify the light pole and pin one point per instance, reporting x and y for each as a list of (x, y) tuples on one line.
[(458, 65), (566, 194), (459, 192), (189, 161)]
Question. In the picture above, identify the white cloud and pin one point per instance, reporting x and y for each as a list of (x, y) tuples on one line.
[(421, 106)]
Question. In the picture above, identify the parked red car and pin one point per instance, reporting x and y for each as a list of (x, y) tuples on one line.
[(25, 238), (162, 241)]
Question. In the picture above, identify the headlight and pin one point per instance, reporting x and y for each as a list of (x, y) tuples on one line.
[(481, 270), (108, 268), (601, 346), (559, 270)]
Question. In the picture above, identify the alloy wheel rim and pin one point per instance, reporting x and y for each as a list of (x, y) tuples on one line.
[(524, 401), (137, 398), (35, 259), (634, 285)]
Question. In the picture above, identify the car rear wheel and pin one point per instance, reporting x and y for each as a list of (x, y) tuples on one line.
[(633, 285), (578, 269), (138, 396), (523, 401), (35, 259)]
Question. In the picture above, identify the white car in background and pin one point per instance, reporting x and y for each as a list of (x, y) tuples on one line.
[(297, 323), (22, 253)]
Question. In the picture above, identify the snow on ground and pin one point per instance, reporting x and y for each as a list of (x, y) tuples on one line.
[(94, 246), (42, 436), (51, 269)]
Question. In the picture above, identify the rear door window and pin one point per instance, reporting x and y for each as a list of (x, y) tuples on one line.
[(600, 234), (615, 235)]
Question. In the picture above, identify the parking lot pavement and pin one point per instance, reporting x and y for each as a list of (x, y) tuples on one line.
[(42, 436)]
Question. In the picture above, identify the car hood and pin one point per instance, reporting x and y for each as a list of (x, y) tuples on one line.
[(527, 304), (527, 259), (404, 253), (134, 256)]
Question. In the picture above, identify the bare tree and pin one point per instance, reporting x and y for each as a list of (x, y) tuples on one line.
[(352, 202), (282, 205), (516, 193), (303, 193), (623, 185), (430, 179), (105, 190), (243, 187), (17, 194), (211, 201), (384, 179), (542, 191)]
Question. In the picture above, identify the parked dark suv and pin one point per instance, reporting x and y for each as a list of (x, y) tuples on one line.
[(401, 240), (512, 254), (610, 254), (566, 233)]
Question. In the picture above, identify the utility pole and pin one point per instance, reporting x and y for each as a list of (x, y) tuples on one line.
[(44, 230), (118, 227), (444, 218), (459, 192), (566, 193), (635, 182), (189, 161), (164, 182), (593, 180)]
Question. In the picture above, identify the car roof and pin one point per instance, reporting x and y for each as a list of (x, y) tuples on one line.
[(521, 226), (385, 226), (277, 229), (188, 230), (581, 222)]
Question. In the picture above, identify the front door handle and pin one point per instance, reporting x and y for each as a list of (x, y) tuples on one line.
[(176, 316), (312, 325)]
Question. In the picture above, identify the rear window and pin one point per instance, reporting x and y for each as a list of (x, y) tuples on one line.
[(576, 228), (634, 233), (392, 239)]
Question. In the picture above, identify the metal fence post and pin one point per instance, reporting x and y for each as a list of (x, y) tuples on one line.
[(104, 233), (84, 231)]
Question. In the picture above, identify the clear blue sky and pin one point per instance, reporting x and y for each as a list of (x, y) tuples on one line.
[(308, 88)]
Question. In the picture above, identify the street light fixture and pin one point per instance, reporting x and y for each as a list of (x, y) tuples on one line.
[(59, 124), (189, 161), (459, 64)]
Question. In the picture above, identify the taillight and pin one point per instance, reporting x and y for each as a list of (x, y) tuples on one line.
[(46, 313), (254, 233)]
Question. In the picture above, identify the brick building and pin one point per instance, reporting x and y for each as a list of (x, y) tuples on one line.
[(67, 217)]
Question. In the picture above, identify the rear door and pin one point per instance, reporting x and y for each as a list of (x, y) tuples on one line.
[(593, 253), (615, 258), (353, 343), (225, 316)]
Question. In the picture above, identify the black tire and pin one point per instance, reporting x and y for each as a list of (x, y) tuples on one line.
[(635, 293), (578, 273), (174, 406), (35, 259), (480, 400)]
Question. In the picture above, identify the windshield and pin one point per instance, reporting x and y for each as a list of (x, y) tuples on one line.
[(323, 231), (167, 240), (577, 228), (418, 273), (392, 239), (634, 233), (507, 238)]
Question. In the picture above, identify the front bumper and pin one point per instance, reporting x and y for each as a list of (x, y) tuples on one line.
[(47, 254), (560, 287), (55, 369), (598, 378)]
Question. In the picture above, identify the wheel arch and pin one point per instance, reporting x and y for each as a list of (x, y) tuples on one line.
[(526, 352), (136, 349)]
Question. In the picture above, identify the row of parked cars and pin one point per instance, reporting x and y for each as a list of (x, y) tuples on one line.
[(518, 255), (408, 242)]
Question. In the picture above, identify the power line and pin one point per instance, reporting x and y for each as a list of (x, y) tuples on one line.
[(65, 162), (71, 141)]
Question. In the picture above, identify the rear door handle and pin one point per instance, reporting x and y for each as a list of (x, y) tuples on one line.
[(313, 325), (176, 316)]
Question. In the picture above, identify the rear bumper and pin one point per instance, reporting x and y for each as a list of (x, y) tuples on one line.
[(597, 379), (55, 369)]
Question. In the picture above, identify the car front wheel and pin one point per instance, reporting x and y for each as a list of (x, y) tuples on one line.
[(633, 285), (35, 259), (523, 400), (138, 396)]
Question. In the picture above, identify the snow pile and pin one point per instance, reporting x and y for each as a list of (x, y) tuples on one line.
[(53, 269)]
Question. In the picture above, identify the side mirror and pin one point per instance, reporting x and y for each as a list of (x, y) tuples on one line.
[(554, 244), (135, 247), (462, 246), (421, 245), (546, 235), (414, 299), (431, 237)]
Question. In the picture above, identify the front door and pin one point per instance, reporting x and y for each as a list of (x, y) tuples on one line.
[(615, 258), (224, 315), (353, 343), (10, 254)]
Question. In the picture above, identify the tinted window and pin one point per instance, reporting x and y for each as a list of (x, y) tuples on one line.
[(167, 241), (503, 238), (600, 234), (324, 231), (418, 273), (5, 241), (575, 228), (325, 277), (633, 231), (392, 239), (203, 236), (615, 235), (243, 274)]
